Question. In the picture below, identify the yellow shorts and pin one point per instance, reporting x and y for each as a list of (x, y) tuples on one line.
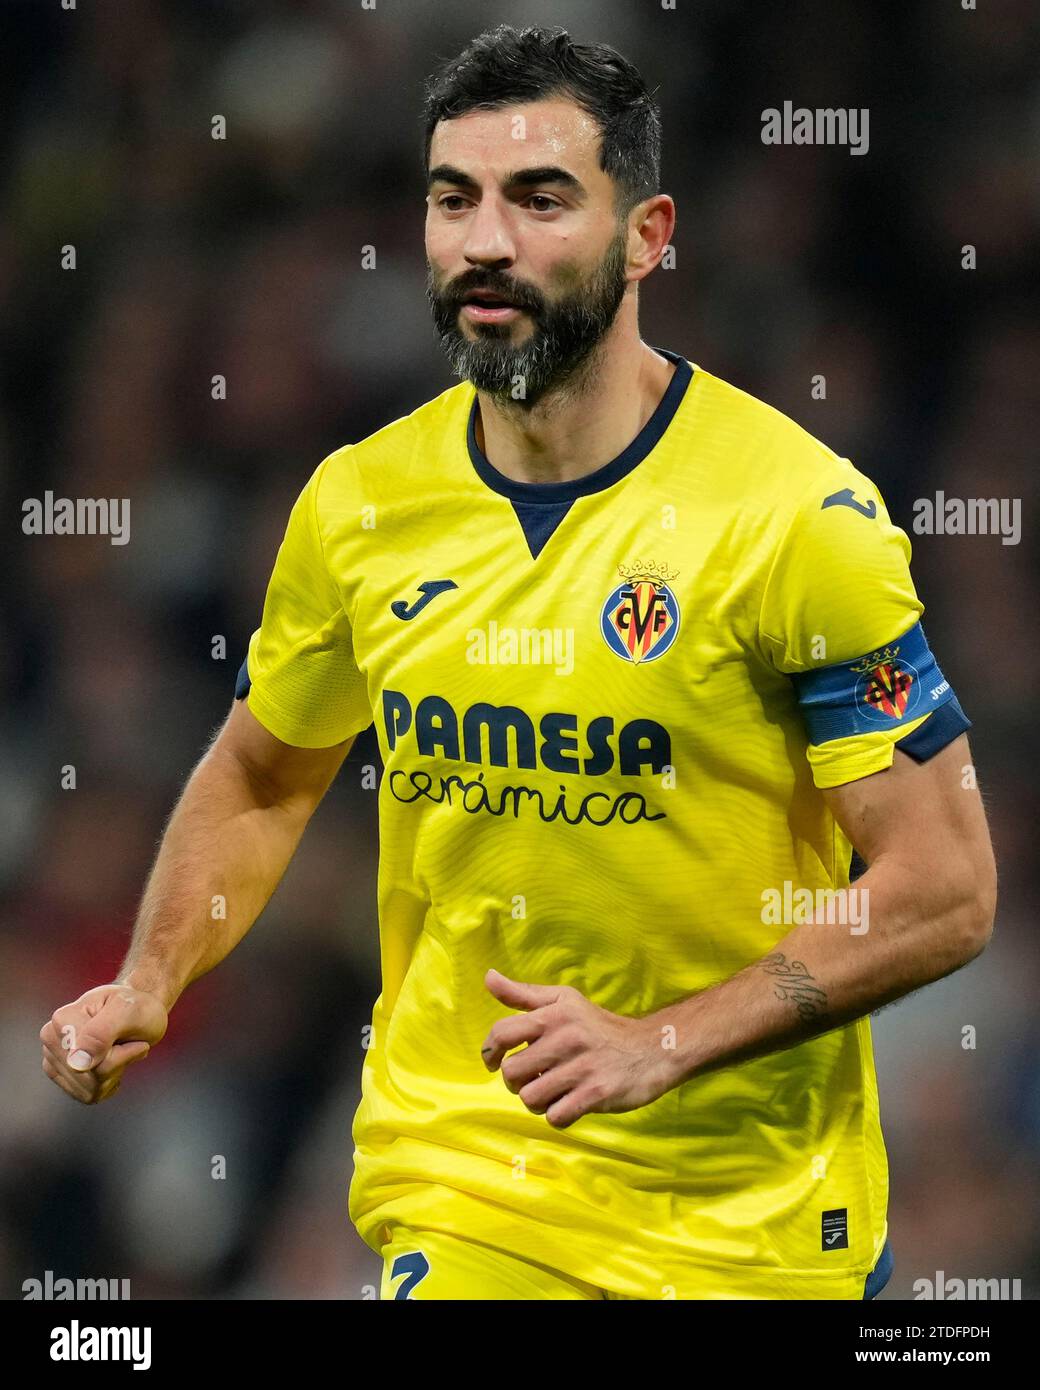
[(421, 1264), (433, 1265)]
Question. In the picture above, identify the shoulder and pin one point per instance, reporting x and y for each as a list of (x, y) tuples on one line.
[(392, 458), (769, 456)]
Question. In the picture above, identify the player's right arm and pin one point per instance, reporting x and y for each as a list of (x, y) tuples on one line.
[(229, 840), (301, 701)]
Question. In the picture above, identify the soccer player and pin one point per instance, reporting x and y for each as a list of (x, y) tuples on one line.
[(645, 662)]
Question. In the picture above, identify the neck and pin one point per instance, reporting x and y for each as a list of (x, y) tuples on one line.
[(572, 432)]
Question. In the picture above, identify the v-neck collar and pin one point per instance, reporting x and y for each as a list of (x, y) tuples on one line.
[(600, 478)]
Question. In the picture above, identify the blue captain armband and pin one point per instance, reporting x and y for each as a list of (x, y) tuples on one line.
[(243, 683), (885, 689)]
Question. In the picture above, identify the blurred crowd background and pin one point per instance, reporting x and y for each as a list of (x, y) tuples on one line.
[(243, 257)]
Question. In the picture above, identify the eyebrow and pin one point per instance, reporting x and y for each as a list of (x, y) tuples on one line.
[(517, 178)]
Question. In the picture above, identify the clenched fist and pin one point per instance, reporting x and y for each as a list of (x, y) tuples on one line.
[(88, 1045)]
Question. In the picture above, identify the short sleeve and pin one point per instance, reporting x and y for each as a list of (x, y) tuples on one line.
[(840, 617), (300, 676)]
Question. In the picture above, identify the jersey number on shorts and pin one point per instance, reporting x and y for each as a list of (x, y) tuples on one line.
[(415, 1265)]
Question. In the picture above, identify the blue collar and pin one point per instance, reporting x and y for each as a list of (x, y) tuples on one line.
[(601, 478)]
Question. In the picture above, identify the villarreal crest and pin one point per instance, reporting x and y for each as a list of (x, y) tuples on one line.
[(887, 687), (640, 618)]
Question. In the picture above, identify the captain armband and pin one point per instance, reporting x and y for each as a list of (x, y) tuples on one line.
[(880, 692)]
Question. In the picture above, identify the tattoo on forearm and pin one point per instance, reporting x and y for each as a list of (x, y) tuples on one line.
[(794, 982)]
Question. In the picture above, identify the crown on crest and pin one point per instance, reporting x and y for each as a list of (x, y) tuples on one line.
[(660, 574), (871, 663)]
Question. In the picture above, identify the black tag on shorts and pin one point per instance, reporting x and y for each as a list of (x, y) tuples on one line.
[(835, 1233)]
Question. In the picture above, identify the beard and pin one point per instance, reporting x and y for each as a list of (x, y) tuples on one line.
[(566, 330)]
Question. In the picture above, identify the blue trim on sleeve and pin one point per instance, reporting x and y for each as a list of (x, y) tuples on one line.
[(934, 734), (882, 1271), (243, 683), (883, 689)]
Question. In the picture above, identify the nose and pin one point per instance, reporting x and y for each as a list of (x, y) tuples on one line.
[(489, 242)]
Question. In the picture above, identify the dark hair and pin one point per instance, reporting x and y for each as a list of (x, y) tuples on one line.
[(507, 66)]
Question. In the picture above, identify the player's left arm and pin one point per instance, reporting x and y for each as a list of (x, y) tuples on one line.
[(926, 901), (925, 906)]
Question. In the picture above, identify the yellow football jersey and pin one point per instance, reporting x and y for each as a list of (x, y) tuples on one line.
[(605, 709)]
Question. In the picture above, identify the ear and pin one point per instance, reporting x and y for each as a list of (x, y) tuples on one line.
[(650, 227)]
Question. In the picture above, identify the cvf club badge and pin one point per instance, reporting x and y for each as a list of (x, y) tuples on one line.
[(641, 616), (887, 689)]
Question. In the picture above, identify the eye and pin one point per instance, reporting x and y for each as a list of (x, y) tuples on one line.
[(548, 204), (456, 198)]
